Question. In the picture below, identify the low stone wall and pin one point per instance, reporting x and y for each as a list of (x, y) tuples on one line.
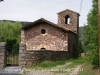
[(2, 54), (38, 56), (29, 57)]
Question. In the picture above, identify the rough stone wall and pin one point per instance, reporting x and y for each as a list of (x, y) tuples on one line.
[(29, 57), (33, 57), (22, 54), (73, 45), (54, 38), (74, 20), (2, 54)]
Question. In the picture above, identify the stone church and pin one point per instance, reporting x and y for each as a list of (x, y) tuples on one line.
[(46, 40)]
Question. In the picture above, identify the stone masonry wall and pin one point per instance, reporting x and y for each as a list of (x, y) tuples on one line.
[(54, 39), (74, 20), (33, 57), (22, 54), (2, 54), (29, 57)]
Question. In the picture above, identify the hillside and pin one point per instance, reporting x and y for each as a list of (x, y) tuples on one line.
[(23, 23)]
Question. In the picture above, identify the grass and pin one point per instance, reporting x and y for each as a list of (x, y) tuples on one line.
[(44, 65), (88, 70), (86, 67), (49, 64), (75, 62)]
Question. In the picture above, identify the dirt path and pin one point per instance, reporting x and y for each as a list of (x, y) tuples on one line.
[(56, 70), (76, 70)]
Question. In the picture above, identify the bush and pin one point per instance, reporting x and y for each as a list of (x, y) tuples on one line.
[(92, 57), (12, 46), (95, 61)]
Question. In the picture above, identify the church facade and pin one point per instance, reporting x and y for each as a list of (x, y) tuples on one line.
[(45, 36)]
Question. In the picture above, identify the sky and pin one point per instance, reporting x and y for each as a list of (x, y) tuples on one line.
[(32, 10)]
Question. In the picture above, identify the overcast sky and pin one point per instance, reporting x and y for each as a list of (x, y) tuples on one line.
[(31, 10)]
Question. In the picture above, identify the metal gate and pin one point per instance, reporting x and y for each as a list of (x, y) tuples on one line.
[(12, 55)]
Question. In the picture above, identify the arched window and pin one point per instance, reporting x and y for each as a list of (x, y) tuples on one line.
[(67, 19), (43, 31)]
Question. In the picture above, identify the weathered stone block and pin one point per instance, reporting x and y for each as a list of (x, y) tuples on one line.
[(2, 50), (22, 45), (2, 44), (2, 54), (21, 51), (21, 59), (22, 48)]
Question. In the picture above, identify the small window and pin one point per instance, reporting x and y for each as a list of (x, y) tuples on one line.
[(67, 19), (43, 31)]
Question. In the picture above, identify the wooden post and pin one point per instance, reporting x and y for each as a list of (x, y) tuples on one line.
[(99, 30)]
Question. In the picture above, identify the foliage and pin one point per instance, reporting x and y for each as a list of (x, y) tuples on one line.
[(81, 33), (12, 46), (91, 34), (80, 48), (10, 30)]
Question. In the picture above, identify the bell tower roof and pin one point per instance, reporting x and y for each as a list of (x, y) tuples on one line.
[(68, 10)]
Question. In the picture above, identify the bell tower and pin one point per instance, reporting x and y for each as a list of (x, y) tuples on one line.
[(69, 19)]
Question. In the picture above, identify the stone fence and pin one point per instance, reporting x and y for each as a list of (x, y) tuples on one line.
[(29, 57)]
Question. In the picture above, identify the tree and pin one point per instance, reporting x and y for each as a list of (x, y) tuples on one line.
[(91, 34), (80, 48), (10, 30)]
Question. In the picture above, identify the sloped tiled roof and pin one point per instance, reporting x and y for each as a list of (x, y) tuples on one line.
[(42, 20)]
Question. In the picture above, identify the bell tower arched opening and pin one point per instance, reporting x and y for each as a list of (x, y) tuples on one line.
[(67, 19)]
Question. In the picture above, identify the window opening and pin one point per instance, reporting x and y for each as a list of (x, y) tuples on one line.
[(43, 31), (67, 19)]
